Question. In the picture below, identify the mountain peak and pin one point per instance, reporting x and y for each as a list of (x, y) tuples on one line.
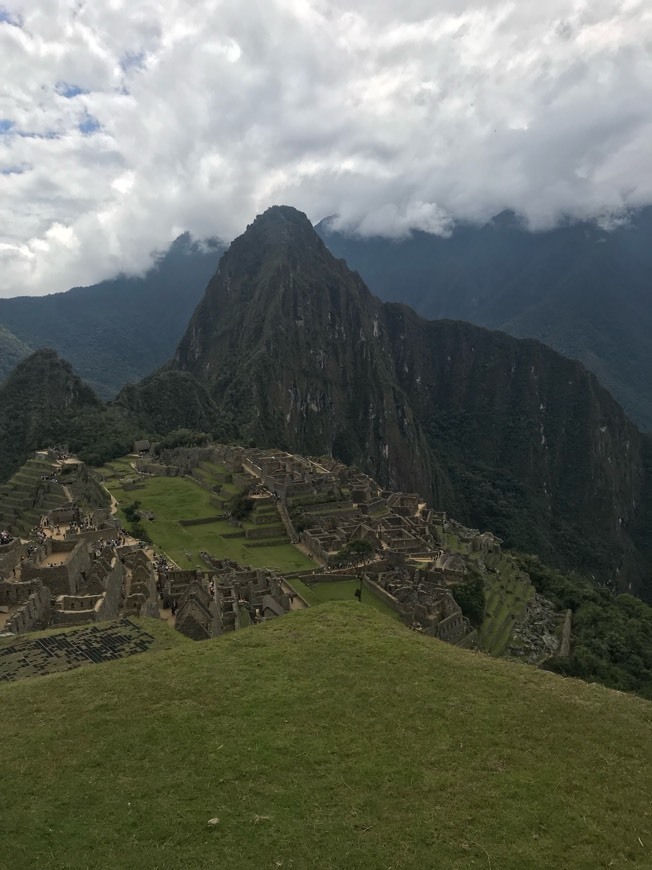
[(277, 215), (279, 226)]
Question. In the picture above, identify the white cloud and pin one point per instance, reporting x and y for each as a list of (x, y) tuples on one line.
[(123, 122)]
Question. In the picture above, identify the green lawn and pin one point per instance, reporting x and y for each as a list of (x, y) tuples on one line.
[(344, 590), (173, 498), (331, 738)]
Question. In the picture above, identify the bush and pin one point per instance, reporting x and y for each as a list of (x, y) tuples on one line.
[(471, 598), (241, 505)]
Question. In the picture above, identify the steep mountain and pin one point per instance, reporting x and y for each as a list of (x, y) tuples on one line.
[(583, 290), (505, 434), (43, 402), (287, 340), (117, 331)]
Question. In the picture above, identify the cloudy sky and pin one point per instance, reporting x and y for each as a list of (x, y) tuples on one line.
[(125, 122)]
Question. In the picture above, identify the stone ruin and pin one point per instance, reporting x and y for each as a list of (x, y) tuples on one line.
[(224, 598), (73, 567), (423, 603)]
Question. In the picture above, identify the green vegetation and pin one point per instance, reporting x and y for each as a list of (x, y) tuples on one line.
[(12, 350), (171, 499), (182, 438), (344, 590), (506, 599), (470, 596), (355, 552), (241, 506), (43, 403), (612, 634), (331, 738), (142, 319)]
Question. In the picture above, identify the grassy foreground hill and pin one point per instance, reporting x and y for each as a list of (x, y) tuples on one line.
[(331, 738)]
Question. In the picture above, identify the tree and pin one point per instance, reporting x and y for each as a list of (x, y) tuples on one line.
[(131, 512), (355, 552), (241, 505)]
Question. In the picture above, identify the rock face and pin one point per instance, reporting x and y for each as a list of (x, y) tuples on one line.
[(581, 289), (297, 352), (506, 434)]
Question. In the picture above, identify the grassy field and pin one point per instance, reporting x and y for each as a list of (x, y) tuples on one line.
[(344, 590), (331, 738), (173, 498)]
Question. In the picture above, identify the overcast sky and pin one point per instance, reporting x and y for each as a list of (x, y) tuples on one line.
[(126, 122)]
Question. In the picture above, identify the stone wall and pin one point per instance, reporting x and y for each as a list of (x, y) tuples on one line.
[(32, 615), (62, 579), (266, 532), (17, 593), (10, 556), (453, 628), (202, 521), (314, 578), (76, 602), (62, 515), (91, 535), (565, 645), (382, 594), (158, 470), (67, 618)]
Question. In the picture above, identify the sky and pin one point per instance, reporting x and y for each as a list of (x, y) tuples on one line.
[(126, 122)]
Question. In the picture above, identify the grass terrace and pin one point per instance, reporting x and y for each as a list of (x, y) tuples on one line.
[(344, 590), (171, 499)]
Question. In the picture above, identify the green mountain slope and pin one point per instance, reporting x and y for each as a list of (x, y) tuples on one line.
[(44, 403), (329, 738), (579, 289), (507, 435), (118, 331)]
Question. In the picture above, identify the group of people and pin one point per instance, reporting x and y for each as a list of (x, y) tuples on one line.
[(6, 537), (39, 534)]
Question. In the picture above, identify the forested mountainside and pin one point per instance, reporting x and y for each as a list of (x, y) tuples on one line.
[(582, 290), (115, 332), (508, 435), (44, 403)]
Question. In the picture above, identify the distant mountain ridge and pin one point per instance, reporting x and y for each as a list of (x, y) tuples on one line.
[(582, 290), (295, 352), (115, 332)]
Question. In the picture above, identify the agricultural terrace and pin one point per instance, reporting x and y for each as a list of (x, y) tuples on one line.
[(171, 499), (341, 590)]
